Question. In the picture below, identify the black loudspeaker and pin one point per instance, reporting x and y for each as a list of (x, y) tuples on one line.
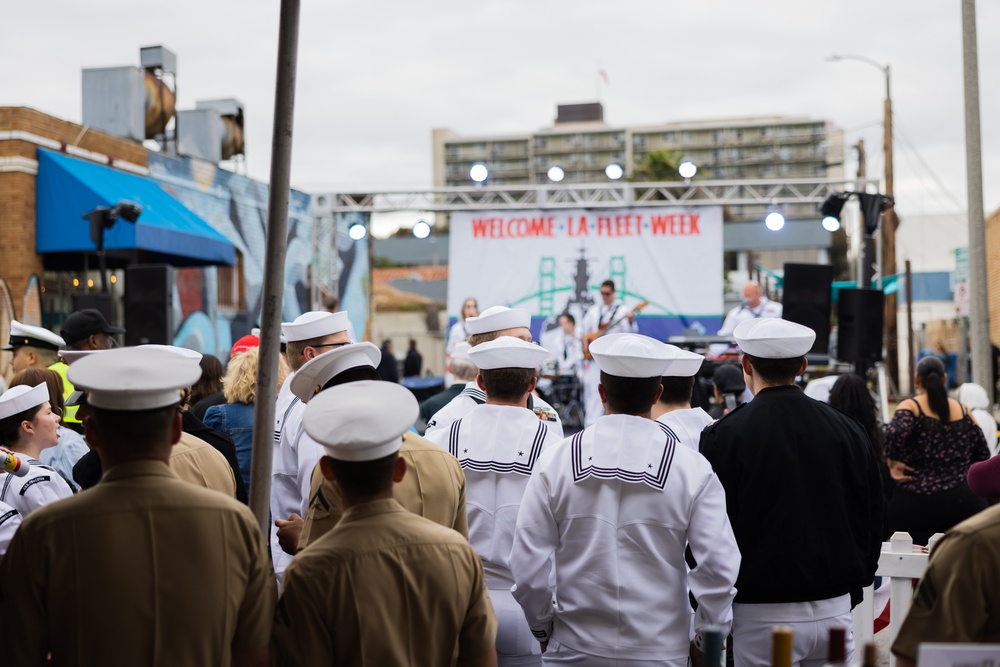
[(100, 302), (149, 293), (807, 300), (860, 313)]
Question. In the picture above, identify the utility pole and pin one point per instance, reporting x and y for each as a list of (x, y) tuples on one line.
[(889, 224), (979, 306)]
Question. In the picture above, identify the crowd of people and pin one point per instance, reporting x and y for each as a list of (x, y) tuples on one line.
[(494, 537)]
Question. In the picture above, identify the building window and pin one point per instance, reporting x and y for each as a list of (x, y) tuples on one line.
[(232, 287)]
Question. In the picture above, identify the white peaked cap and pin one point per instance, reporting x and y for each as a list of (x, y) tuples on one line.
[(133, 378), (773, 338), (22, 397), (26, 334), (321, 369), (361, 421), (497, 318), (70, 356), (182, 352), (461, 351), (315, 324), (507, 352), (632, 355), (685, 364)]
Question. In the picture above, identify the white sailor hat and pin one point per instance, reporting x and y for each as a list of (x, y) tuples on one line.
[(497, 318), (361, 421), (461, 351), (321, 369), (281, 335), (22, 397), (26, 334), (182, 352), (507, 352), (632, 355), (773, 338), (315, 324), (133, 378), (684, 365)]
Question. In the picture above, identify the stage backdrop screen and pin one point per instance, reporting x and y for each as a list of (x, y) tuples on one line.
[(553, 261)]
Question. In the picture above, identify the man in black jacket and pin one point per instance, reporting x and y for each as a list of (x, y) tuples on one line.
[(804, 497)]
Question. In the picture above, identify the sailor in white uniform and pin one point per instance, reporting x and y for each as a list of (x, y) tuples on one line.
[(610, 316), (490, 325), (10, 521), (598, 552), (674, 406), (27, 426), (498, 444), (308, 336)]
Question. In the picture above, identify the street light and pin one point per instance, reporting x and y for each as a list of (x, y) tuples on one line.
[(614, 171), (687, 170), (889, 226), (556, 173)]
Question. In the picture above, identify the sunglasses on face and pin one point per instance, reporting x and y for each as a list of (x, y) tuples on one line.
[(330, 345)]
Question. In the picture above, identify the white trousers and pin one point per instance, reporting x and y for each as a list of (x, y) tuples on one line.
[(516, 646), (810, 623), (560, 654)]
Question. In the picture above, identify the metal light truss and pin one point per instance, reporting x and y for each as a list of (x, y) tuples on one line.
[(700, 193)]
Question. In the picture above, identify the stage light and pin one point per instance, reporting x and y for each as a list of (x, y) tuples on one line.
[(831, 224), (421, 230), (687, 169), (614, 171), (357, 231), (479, 173), (556, 173), (774, 221)]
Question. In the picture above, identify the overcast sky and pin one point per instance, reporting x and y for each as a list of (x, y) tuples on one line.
[(376, 77)]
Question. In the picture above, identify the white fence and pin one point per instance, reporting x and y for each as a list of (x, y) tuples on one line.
[(902, 565)]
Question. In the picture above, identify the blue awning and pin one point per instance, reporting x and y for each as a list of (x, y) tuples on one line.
[(68, 187)]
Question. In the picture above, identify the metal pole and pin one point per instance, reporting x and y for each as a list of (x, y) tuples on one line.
[(274, 263), (909, 328), (979, 307)]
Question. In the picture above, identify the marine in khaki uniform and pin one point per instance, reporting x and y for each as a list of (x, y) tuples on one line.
[(197, 462), (192, 459), (435, 489), (385, 586), (957, 598), (143, 569)]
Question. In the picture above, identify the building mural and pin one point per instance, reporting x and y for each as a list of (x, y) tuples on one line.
[(236, 206)]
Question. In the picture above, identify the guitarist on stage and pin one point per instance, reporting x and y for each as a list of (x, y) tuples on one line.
[(609, 316)]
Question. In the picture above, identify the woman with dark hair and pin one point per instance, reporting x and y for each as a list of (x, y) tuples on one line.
[(851, 396), (71, 446), (28, 425), (208, 390), (930, 444)]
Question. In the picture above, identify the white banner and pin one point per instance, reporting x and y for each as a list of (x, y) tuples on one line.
[(553, 261)]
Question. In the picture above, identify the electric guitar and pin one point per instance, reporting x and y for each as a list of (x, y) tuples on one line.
[(594, 335)]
